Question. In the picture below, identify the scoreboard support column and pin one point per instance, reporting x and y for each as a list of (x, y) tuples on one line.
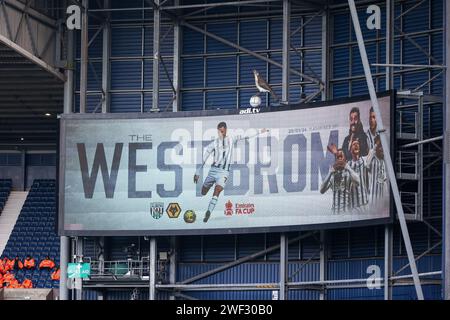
[(152, 269), (446, 183)]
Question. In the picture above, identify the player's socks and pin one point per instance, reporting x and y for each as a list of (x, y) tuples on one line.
[(212, 203)]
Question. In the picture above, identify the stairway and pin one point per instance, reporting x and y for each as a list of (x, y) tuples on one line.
[(9, 215)]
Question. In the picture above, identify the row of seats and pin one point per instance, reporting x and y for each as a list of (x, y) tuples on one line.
[(5, 190), (35, 233)]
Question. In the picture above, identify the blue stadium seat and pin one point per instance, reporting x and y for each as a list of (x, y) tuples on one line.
[(34, 232)]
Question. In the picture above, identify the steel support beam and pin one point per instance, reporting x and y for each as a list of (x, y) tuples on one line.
[(217, 4), (446, 164), (37, 61), (79, 259), (84, 56), (323, 263), (243, 260), (156, 54), (388, 229), (63, 262), (283, 272), (384, 142), (106, 64), (152, 269), (388, 260), (416, 66), (101, 254), (19, 6), (64, 256), (177, 44), (250, 52), (69, 84), (325, 55), (286, 50), (389, 44), (173, 259)]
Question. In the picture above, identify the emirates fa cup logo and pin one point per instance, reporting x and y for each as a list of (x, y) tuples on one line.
[(228, 208)]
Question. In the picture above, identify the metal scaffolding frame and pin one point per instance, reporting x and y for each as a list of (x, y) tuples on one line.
[(173, 14), (446, 164)]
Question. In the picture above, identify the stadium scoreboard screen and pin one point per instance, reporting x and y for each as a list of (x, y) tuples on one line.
[(258, 170)]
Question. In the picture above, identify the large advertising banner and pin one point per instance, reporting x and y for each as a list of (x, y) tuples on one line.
[(234, 171)]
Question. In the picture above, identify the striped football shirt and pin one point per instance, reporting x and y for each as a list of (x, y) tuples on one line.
[(222, 150), (341, 183), (360, 194)]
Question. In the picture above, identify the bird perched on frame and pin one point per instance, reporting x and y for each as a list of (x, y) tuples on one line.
[(263, 86)]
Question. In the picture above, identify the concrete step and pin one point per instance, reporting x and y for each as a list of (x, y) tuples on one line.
[(9, 216), (26, 294)]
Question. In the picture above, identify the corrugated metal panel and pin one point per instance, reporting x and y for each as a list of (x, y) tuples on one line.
[(126, 15), (412, 55), (148, 74), (225, 99), (363, 242), (192, 101), (437, 8), (341, 67), (275, 73), (359, 87), (192, 75), (221, 71), (232, 295), (313, 60), (253, 35), (164, 81), (366, 32), (415, 19), (430, 292), (192, 41), (276, 34), (416, 79), (165, 101), (339, 244), (249, 243), (301, 271), (166, 44), (355, 294), (125, 75), (303, 295), (118, 295), (95, 49), (244, 273), (89, 248), (219, 248), (227, 31), (88, 294), (190, 248), (94, 82), (271, 240), (340, 89), (296, 63), (313, 32), (92, 101), (357, 67), (126, 41), (125, 102), (341, 27), (148, 41)]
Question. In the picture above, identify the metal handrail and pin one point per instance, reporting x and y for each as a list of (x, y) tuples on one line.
[(120, 268)]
